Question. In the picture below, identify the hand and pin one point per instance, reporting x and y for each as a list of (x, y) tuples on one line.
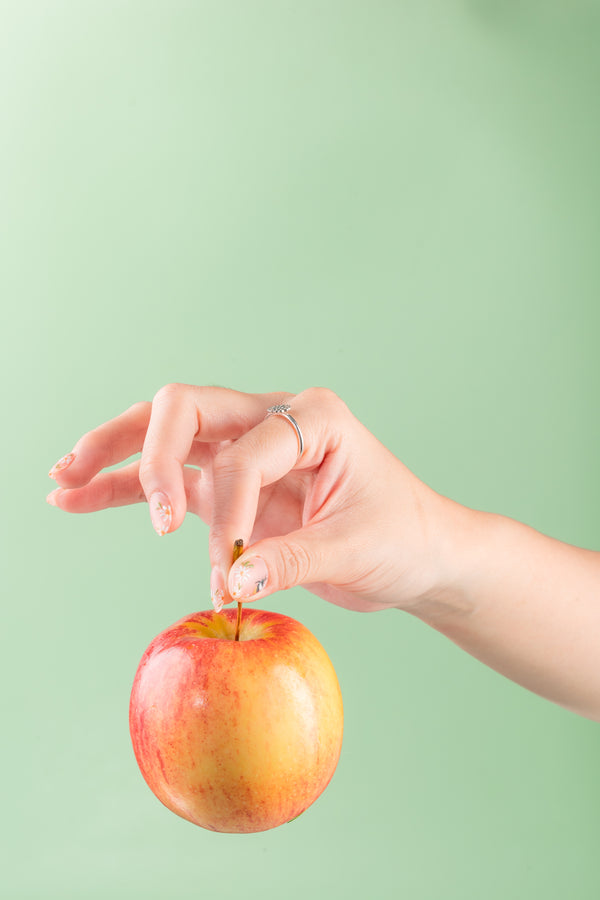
[(347, 520)]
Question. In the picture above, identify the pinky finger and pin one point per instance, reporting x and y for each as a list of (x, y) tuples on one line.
[(118, 488), (122, 488)]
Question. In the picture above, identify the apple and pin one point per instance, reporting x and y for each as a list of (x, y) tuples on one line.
[(236, 736)]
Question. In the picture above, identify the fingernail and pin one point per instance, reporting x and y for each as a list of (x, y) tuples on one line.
[(161, 513), (217, 588), (63, 463), (51, 498), (248, 577)]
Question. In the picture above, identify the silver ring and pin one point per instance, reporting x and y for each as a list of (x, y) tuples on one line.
[(283, 410)]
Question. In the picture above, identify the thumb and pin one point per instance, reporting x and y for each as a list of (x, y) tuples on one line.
[(280, 563)]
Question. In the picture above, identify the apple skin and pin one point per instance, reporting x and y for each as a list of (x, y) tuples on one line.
[(236, 736)]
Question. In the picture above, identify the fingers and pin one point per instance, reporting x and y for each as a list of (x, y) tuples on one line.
[(106, 445), (118, 488), (260, 457), (169, 431), (180, 414), (276, 564), (247, 452), (111, 443), (122, 487)]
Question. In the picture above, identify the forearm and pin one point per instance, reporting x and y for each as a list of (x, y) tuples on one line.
[(526, 605)]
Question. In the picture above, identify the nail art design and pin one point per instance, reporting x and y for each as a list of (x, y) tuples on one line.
[(63, 463), (161, 514), (165, 515), (249, 577), (218, 599), (217, 589)]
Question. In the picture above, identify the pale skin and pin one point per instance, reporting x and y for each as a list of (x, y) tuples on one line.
[(348, 521)]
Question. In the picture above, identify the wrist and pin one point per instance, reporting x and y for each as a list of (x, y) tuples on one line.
[(456, 548)]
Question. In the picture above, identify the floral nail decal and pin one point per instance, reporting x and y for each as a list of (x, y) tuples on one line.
[(63, 463), (218, 599), (165, 514), (217, 588), (161, 514), (249, 577)]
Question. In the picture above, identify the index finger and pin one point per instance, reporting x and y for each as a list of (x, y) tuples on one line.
[(262, 456)]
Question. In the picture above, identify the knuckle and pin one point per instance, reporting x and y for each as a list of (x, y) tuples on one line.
[(90, 444), (149, 465), (324, 398), (170, 391), (325, 394), (227, 462), (331, 413), (293, 563), (139, 408), (231, 462)]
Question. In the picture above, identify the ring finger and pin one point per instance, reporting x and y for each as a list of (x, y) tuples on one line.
[(262, 456)]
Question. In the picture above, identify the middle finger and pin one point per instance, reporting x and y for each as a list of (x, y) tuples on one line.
[(180, 414)]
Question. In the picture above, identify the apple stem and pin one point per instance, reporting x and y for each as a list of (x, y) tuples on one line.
[(238, 549)]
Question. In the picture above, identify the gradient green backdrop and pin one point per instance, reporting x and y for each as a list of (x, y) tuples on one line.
[(399, 200)]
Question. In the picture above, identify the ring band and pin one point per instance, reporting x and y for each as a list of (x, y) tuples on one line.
[(283, 410)]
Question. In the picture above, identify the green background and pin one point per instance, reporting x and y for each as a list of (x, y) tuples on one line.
[(400, 201)]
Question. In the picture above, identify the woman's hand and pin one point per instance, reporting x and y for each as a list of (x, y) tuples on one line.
[(347, 519)]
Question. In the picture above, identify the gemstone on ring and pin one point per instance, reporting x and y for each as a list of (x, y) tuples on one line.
[(279, 408)]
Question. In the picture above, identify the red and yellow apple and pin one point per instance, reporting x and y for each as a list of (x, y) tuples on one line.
[(236, 736)]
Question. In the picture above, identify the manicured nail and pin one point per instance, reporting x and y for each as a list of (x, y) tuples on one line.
[(248, 578), (217, 588), (161, 513), (51, 498), (63, 463)]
